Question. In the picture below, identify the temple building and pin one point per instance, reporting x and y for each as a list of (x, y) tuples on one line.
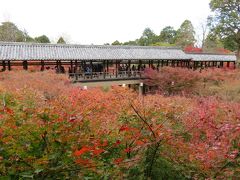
[(86, 63)]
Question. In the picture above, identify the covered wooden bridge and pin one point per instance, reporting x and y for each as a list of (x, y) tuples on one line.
[(102, 63)]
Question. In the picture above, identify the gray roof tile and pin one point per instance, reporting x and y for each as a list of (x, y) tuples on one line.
[(29, 51), (212, 57)]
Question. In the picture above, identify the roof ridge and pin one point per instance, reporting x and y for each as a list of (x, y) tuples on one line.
[(87, 46), (197, 53)]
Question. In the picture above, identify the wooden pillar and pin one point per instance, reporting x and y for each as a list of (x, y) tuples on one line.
[(25, 65), (234, 65), (116, 69), (228, 64), (140, 65), (9, 65), (91, 67), (129, 67), (149, 63), (42, 65), (162, 63), (71, 66), (205, 64), (4, 66), (195, 65), (181, 63), (104, 66), (221, 64), (209, 64), (76, 66), (167, 63), (107, 66), (201, 64)]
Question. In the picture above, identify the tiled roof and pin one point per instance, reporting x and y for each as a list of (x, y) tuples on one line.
[(29, 51), (212, 57)]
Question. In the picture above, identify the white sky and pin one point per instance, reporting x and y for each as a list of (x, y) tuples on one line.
[(100, 21)]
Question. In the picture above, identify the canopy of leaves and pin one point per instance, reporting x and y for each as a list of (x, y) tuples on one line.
[(61, 41), (116, 43), (168, 35), (185, 34), (226, 21), (9, 32), (148, 38), (42, 39), (59, 131)]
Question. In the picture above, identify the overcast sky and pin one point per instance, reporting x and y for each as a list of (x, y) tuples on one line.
[(100, 21)]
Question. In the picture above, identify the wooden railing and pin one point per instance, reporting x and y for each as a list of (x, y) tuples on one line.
[(95, 76)]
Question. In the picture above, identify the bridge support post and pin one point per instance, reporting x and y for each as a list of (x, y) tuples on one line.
[(4, 66), (42, 65), (228, 64), (25, 65), (116, 69), (104, 66), (9, 65)]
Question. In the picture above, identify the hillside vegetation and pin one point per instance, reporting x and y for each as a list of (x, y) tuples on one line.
[(188, 129)]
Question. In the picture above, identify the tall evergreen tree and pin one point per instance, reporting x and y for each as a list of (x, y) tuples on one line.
[(115, 43), (148, 38), (61, 41), (185, 34), (168, 35)]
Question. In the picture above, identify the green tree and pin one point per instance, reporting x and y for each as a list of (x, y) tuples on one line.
[(27, 37), (212, 43), (185, 34), (116, 43), (230, 43), (168, 35), (61, 41), (131, 43), (9, 32), (42, 39), (226, 20), (148, 38)]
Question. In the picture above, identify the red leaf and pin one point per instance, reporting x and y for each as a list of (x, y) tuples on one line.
[(127, 150), (81, 151), (83, 161), (124, 128), (118, 160), (118, 142), (97, 151)]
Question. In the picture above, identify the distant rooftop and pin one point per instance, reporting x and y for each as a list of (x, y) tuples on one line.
[(212, 57)]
